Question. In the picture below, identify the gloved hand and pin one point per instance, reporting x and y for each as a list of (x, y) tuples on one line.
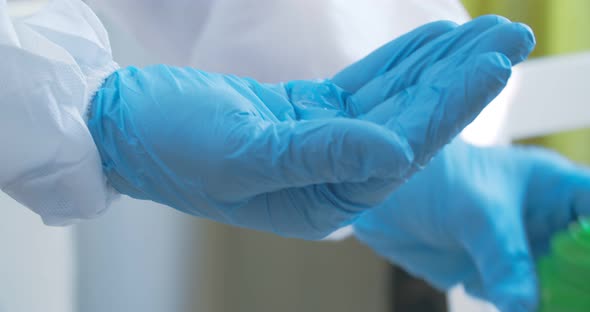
[(480, 216), (301, 158)]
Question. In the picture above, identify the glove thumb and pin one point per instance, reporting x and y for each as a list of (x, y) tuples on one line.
[(506, 270)]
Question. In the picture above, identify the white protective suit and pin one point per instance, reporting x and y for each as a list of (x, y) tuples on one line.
[(272, 40), (63, 51), (53, 61), (277, 40)]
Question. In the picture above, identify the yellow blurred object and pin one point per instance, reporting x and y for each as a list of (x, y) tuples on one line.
[(573, 144), (561, 26)]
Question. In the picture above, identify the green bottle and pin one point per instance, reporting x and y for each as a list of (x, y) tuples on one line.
[(565, 273)]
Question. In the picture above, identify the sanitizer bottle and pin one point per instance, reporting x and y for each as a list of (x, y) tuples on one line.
[(565, 272)]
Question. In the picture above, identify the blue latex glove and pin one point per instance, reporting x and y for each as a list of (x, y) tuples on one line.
[(480, 216), (301, 158)]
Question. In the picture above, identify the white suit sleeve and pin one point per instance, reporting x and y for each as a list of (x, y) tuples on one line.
[(169, 29), (52, 63)]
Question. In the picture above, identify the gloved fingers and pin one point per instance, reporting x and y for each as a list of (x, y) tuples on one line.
[(310, 212), (557, 181), (513, 40), (407, 71), (285, 213), (359, 196), (557, 193), (312, 99), (432, 113), (294, 154), (389, 55), (496, 240)]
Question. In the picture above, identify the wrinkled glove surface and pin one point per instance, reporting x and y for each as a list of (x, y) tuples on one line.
[(301, 158)]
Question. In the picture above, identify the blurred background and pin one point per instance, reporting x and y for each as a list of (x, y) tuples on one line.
[(166, 261), (561, 28)]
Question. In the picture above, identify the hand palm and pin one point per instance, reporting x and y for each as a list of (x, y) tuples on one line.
[(301, 158)]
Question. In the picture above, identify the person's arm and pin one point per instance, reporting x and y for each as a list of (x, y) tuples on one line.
[(301, 158)]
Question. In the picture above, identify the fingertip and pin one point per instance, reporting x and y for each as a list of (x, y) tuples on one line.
[(527, 44), (527, 30), (514, 40)]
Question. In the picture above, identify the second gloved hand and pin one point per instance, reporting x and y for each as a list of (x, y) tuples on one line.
[(301, 158), (480, 216)]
